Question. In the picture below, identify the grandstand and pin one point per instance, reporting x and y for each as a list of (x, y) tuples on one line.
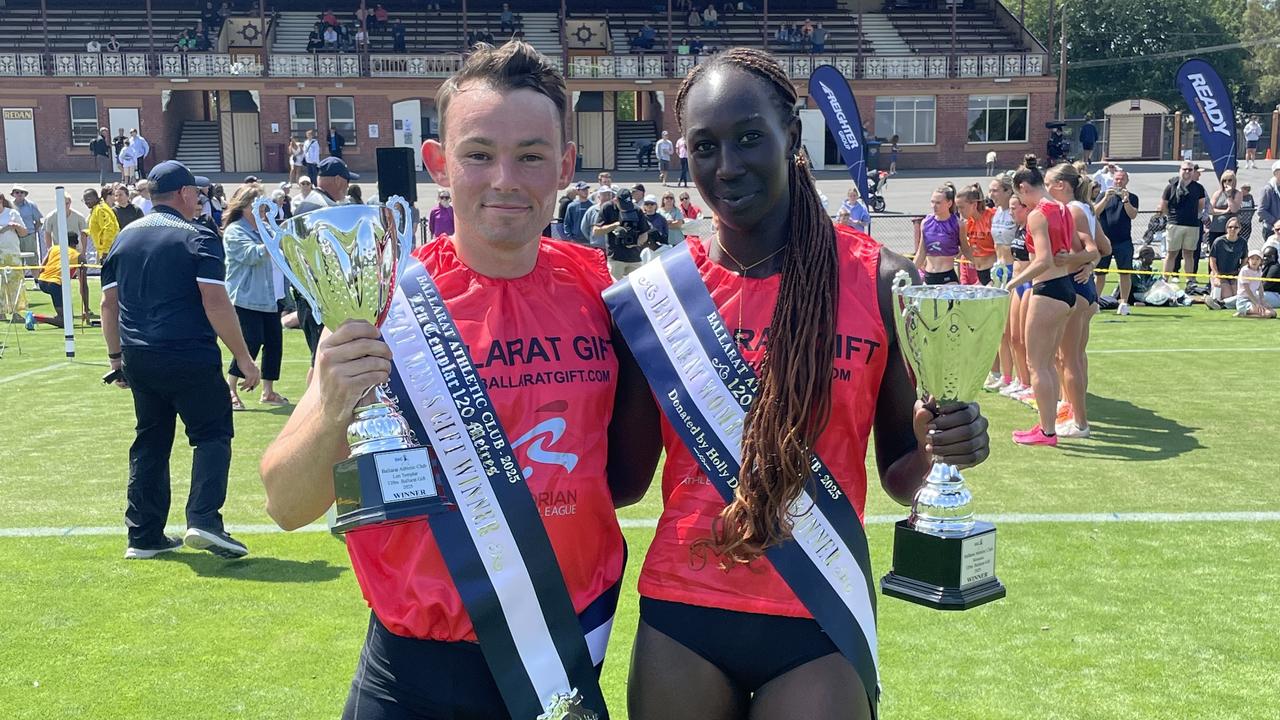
[(974, 55)]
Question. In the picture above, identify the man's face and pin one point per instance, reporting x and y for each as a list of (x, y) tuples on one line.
[(605, 178), (121, 196), (19, 197), (90, 199), (1122, 178), (605, 199), (504, 161), (582, 193), (1186, 173)]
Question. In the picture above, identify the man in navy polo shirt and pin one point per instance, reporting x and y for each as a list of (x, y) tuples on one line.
[(164, 307)]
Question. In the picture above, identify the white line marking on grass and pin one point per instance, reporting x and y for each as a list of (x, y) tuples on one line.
[(1184, 350), (36, 371), (999, 518)]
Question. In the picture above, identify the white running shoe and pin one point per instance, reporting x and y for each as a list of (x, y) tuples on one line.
[(993, 383), (1123, 309), (1013, 388), (1069, 429)]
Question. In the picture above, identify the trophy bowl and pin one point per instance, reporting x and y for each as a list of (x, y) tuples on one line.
[(345, 261), (949, 335)]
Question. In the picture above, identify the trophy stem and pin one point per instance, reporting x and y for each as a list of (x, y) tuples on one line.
[(378, 426), (943, 506)]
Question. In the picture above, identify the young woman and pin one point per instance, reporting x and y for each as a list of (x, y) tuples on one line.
[(1224, 204), (296, 155), (1003, 230), (859, 216), (1020, 389), (977, 230), (721, 634), (940, 239), (1089, 244), (893, 155), (1250, 302), (251, 285), (1050, 231), (1224, 260)]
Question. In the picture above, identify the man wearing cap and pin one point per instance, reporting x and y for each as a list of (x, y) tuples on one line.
[(1183, 201), (164, 307), (1269, 207), (305, 192), (658, 239), (575, 212), (603, 197), (627, 232), (31, 218), (332, 180)]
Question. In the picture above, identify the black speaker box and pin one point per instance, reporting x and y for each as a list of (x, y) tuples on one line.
[(397, 174)]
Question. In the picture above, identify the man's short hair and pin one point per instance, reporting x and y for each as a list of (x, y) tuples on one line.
[(517, 65)]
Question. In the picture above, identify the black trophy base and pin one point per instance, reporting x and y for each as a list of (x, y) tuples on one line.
[(386, 488), (944, 573)]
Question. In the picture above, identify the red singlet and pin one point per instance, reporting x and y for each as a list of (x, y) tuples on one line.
[(541, 343), (671, 571), (977, 230), (1062, 227)]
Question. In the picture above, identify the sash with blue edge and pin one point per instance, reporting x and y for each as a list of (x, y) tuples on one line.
[(495, 545), (705, 388)]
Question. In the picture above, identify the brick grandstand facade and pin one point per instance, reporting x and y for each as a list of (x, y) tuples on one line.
[(954, 82)]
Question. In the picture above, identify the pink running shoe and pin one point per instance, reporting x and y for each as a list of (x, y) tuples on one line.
[(1035, 436)]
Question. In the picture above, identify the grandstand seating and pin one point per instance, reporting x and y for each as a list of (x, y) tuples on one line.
[(70, 29), (71, 25), (929, 33)]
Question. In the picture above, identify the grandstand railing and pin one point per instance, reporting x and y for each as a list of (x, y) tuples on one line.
[(340, 65)]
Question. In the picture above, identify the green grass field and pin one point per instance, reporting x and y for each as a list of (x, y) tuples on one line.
[(1131, 619)]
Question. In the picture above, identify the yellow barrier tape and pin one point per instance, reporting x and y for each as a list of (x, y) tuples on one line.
[(41, 267)]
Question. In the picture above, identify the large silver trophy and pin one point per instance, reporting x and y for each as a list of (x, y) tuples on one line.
[(949, 335), (345, 262)]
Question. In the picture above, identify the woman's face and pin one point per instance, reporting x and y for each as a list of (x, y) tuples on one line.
[(998, 193), (739, 147), (668, 202), (939, 204), (1019, 210), (1233, 229)]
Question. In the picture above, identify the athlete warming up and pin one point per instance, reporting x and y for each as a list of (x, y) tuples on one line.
[(940, 239), (770, 349), (538, 335)]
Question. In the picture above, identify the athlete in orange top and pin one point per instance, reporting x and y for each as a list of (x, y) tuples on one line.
[(735, 642), (530, 312), (977, 226)]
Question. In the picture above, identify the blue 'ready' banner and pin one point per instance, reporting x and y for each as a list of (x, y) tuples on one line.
[(1211, 106), (830, 91)]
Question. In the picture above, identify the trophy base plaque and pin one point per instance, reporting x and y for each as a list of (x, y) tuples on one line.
[(386, 488), (944, 572)]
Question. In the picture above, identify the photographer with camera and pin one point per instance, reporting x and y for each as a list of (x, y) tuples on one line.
[(1116, 209), (627, 230)]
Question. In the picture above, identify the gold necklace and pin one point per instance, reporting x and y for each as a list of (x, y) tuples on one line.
[(743, 269)]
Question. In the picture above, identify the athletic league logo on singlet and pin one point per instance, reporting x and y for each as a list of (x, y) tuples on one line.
[(538, 447)]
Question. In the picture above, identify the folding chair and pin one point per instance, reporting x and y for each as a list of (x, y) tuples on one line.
[(10, 279)]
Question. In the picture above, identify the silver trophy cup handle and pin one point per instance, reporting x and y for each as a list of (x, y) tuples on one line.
[(268, 216), (402, 213)]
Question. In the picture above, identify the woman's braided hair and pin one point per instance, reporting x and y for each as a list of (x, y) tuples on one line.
[(794, 400)]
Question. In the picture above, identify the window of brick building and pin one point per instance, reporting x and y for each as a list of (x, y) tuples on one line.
[(997, 118), (302, 115), (912, 118), (342, 116), (84, 119)]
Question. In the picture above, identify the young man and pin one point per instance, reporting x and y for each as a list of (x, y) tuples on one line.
[(664, 150), (50, 282), (526, 308)]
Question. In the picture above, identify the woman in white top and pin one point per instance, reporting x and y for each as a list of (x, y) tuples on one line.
[(1003, 229), (1250, 301), (295, 160), (13, 299), (1090, 244)]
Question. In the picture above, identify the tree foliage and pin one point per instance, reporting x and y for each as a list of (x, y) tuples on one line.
[(1122, 30)]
